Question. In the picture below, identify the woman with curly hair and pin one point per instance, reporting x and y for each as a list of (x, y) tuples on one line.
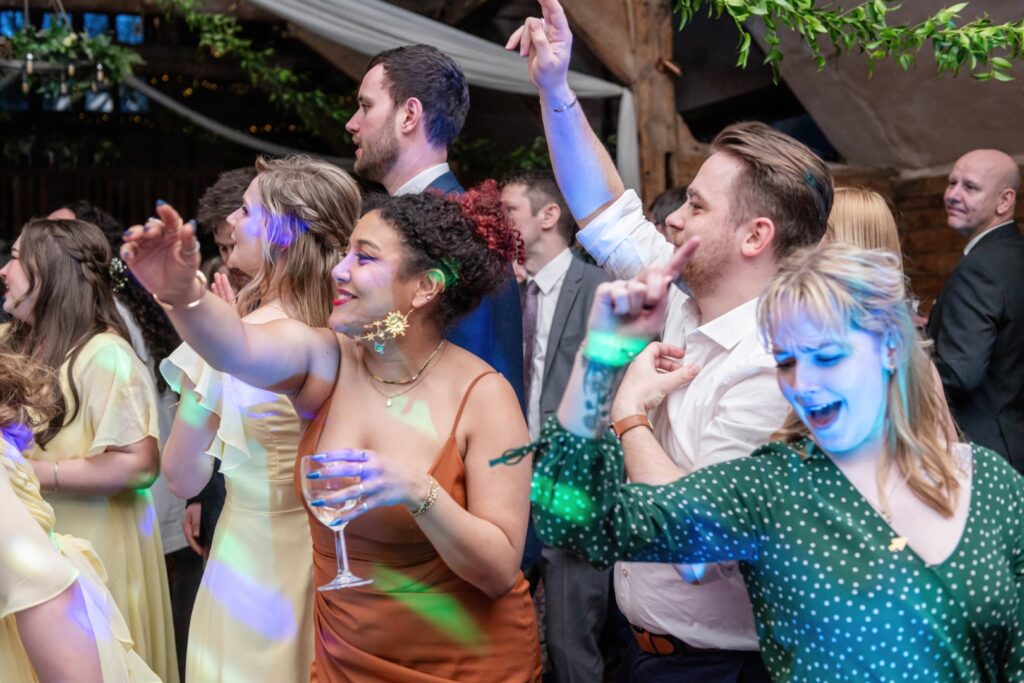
[(58, 622), (97, 457), (414, 418)]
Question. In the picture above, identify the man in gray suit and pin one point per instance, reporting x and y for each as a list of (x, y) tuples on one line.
[(558, 292)]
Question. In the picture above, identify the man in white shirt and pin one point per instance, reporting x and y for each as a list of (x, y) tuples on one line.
[(757, 198), (413, 102), (978, 321), (558, 293)]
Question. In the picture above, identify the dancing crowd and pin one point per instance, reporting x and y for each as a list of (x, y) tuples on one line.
[(520, 432)]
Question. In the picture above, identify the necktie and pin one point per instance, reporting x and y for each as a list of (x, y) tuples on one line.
[(529, 332)]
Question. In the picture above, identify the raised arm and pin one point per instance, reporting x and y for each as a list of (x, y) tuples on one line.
[(281, 355), (584, 170)]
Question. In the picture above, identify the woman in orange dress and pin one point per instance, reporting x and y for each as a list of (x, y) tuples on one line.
[(416, 418)]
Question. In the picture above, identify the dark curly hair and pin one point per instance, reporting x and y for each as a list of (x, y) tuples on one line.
[(469, 237), (158, 334)]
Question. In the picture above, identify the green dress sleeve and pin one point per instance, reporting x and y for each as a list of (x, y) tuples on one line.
[(580, 503)]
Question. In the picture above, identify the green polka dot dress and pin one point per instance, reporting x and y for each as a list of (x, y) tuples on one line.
[(832, 601)]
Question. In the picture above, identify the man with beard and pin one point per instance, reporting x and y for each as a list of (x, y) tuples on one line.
[(412, 103), (759, 196), (978, 321)]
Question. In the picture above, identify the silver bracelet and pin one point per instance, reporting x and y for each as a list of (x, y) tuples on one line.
[(567, 107)]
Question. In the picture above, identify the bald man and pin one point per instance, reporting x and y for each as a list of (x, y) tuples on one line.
[(978, 320)]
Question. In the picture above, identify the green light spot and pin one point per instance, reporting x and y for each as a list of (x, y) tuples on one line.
[(443, 611), (568, 502)]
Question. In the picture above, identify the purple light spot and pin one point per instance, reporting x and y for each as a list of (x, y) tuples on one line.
[(251, 604), (148, 520)]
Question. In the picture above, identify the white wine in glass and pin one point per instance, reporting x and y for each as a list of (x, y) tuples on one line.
[(318, 489)]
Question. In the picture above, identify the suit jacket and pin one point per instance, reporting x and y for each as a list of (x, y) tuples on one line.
[(978, 327), (568, 328), (494, 329)]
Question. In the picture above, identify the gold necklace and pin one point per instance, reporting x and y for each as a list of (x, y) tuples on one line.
[(413, 383), (415, 376), (897, 543)]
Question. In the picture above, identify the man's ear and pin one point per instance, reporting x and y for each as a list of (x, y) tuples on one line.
[(758, 236), (1007, 201), (550, 213), (411, 115)]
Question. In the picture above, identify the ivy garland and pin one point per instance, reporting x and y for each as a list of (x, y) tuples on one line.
[(221, 34), (986, 47)]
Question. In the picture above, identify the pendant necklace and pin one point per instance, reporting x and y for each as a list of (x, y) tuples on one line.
[(411, 382), (897, 543)]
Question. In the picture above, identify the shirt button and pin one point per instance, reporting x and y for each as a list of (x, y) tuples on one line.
[(625, 572)]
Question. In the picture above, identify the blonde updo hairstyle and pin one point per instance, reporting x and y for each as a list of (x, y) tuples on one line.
[(864, 218), (310, 209), (835, 287)]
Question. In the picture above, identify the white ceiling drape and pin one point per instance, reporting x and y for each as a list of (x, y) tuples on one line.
[(369, 26)]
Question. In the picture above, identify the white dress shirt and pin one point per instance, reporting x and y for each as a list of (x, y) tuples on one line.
[(421, 181), (549, 281), (978, 238), (730, 408)]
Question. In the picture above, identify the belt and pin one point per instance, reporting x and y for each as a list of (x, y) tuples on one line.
[(657, 644)]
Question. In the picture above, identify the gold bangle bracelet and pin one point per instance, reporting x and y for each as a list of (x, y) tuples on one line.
[(429, 501), (192, 304)]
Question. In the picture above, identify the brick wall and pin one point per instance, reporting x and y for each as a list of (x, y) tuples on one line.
[(931, 249)]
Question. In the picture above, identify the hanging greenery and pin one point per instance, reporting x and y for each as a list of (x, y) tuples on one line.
[(60, 61), (986, 49), (221, 34)]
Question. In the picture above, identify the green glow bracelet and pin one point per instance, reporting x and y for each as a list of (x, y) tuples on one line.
[(612, 350)]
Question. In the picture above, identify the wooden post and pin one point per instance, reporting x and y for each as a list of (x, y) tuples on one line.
[(633, 39)]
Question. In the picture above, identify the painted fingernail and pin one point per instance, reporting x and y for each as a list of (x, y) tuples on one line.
[(160, 202), (126, 233), (313, 475), (193, 222), (318, 503), (337, 522)]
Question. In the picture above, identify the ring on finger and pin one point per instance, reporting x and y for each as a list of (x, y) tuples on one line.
[(359, 473), (193, 251), (365, 506), (362, 489)]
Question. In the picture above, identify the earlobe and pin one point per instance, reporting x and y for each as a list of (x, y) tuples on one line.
[(413, 112)]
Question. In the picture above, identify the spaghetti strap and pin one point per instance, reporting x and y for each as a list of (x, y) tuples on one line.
[(465, 399)]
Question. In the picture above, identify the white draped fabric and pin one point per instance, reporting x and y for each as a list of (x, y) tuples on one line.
[(369, 26)]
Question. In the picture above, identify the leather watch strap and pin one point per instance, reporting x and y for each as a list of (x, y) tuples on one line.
[(627, 423)]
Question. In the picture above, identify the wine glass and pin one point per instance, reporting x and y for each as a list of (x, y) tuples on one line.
[(317, 489)]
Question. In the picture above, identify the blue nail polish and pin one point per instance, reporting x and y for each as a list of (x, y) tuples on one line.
[(194, 223), (313, 475), (126, 233), (337, 522), (318, 503), (160, 202)]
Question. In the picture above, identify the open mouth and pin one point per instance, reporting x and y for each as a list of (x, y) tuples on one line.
[(342, 298), (823, 415)]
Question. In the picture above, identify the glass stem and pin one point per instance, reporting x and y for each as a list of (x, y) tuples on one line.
[(340, 551)]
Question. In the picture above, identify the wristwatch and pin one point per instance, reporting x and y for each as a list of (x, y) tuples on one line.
[(627, 423)]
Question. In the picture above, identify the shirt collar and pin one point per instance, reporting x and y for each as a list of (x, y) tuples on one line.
[(421, 181), (729, 329), (977, 238), (553, 271)]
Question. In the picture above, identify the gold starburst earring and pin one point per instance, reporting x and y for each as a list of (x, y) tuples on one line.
[(380, 332)]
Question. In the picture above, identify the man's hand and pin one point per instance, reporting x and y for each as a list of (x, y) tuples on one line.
[(190, 525), (547, 44), (636, 308)]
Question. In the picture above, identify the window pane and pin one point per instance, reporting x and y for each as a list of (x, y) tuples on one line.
[(129, 29), (11, 23), (95, 24)]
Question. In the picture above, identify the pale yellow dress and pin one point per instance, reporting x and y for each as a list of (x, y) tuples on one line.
[(253, 617), (37, 565), (118, 408)]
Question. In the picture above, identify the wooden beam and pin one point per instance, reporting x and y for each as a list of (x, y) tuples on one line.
[(604, 25), (237, 8)]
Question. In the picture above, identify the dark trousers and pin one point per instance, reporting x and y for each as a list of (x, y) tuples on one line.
[(583, 626), (184, 574), (707, 666)]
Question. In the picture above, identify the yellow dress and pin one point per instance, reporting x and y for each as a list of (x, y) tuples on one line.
[(118, 408), (37, 565), (253, 617)]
